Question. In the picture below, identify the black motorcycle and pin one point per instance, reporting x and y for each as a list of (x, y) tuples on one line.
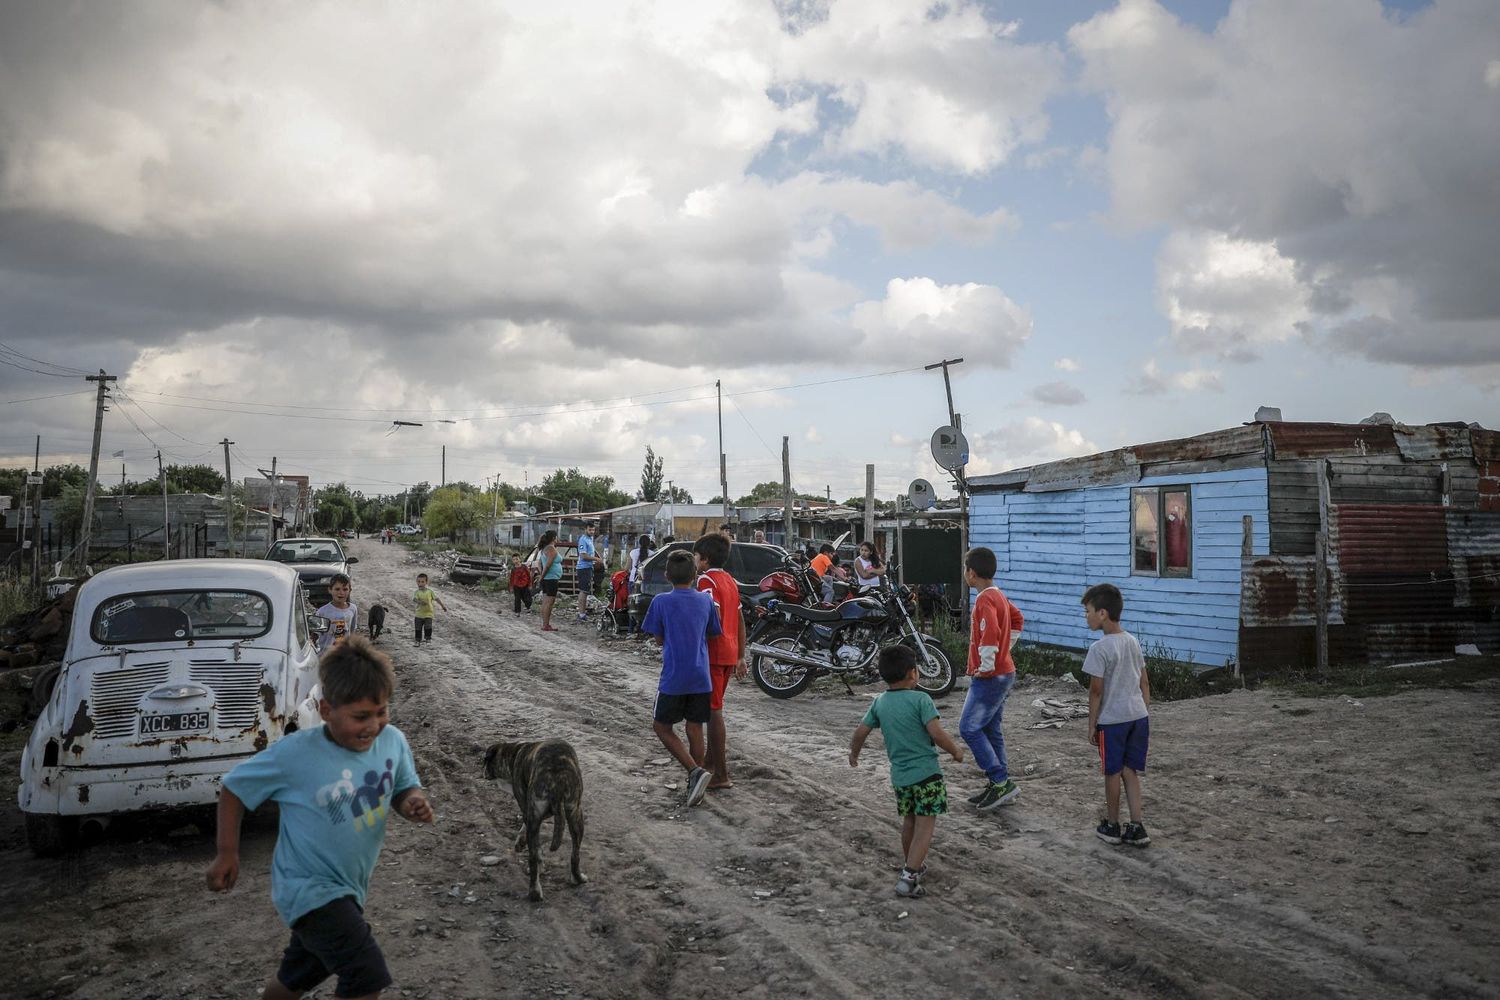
[(793, 644)]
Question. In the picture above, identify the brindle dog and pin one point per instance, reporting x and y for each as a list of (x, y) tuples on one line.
[(377, 620), (547, 781)]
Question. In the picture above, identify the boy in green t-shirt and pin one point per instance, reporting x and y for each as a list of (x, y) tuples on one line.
[(424, 597), (909, 720)]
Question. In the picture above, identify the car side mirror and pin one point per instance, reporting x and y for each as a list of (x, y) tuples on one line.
[(351, 560), (317, 624)]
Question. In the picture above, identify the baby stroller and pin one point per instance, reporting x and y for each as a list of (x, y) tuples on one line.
[(614, 617)]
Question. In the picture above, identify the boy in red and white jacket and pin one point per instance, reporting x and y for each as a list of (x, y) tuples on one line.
[(995, 627), (726, 652)]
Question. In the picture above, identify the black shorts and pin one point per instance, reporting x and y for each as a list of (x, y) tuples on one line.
[(334, 940), (674, 708), (585, 575), (549, 587)]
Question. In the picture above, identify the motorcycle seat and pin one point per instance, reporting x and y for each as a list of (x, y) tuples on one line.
[(812, 614)]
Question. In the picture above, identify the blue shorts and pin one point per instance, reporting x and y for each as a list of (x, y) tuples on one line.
[(1123, 744)]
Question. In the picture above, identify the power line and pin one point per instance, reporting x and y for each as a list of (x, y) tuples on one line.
[(63, 371), (55, 395)]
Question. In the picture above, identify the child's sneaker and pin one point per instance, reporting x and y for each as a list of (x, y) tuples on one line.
[(1108, 832), (998, 795), (910, 883), (978, 796), (697, 785), (1135, 835)]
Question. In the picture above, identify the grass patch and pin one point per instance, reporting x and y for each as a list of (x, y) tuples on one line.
[(17, 595), (1365, 681)]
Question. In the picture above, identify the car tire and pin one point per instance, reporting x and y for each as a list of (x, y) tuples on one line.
[(43, 686)]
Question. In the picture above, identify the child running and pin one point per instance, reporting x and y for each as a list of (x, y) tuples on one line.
[(343, 617), (331, 831), (1119, 713), (726, 652), (995, 626), (683, 619), (425, 597), (909, 720)]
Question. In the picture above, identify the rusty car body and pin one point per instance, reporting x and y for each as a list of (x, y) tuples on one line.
[(175, 671)]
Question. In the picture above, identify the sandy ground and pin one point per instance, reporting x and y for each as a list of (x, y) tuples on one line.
[(1301, 848)]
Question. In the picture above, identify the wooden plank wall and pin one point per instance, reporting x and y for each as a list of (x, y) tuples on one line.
[(1060, 543), (1356, 479)]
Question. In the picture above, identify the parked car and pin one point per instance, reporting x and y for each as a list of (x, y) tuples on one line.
[(316, 561), (174, 672), (749, 563), (407, 529)]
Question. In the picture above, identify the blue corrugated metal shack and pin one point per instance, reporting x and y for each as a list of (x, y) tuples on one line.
[(1212, 540)]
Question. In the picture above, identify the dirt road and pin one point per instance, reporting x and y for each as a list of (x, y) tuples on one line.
[(1301, 848)]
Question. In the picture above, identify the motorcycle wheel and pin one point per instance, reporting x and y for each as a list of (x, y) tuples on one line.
[(938, 679), (777, 679)]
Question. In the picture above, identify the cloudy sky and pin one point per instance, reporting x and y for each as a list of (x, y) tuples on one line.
[(557, 224)]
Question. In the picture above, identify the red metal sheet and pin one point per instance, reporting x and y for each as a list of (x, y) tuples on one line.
[(1392, 538), (1310, 440)]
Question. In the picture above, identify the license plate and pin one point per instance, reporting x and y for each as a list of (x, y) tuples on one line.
[(180, 722)]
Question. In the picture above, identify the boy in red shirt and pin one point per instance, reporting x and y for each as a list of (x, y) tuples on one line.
[(726, 652), (995, 627)]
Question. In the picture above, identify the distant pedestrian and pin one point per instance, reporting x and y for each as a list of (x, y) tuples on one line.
[(684, 620), (638, 557), (551, 572), (760, 537), (424, 598), (908, 720), (583, 569), (995, 626), (1119, 712), (520, 583)]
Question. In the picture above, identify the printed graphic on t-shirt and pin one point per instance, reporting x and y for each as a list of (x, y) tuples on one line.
[(364, 806)]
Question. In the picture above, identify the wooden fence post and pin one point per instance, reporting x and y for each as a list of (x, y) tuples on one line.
[(1320, 568)]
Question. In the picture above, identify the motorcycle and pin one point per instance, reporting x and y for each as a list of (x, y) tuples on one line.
[(794, 644)]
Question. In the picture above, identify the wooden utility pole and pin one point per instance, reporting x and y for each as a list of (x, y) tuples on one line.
[(228, 499), (723, 470), (1320, 569), (959, 479), (88, 495), (786, 489), (166, 511), (36, 516), (869, 505), (275, 501), (443, 476)]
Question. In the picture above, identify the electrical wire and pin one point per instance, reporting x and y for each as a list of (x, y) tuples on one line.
[(55, 395), (63, 371)]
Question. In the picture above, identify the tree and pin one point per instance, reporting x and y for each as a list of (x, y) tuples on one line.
[(390, 517), (68, 513), (591, 492), (677, 495), (335, 508), (57, 478), (194, 479), (451, 510), (651, 476), (417, 497)]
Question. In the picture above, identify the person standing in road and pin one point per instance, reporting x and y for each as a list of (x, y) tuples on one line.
[(520, 583), (551, 573), (583, 569), (726, 651), (993, 631), (424, 597), (342, 615)]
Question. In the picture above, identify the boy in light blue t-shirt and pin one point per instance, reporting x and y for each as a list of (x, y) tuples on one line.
[(335, 785)]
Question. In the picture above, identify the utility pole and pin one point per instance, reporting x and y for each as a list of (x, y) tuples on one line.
[(671, 507), (495, 520), (443, 475), (166, 510), (275, 502), (25, 503), (228, 499), (786, 489), (36, 516), (723, 476), (88, 496), (959, 479), (869, 505)]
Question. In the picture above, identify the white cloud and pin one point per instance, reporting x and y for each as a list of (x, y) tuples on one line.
[(1058, 394), (1152, 381), (919, 317), (1304, 151), (1019, 443), (1066, 365)]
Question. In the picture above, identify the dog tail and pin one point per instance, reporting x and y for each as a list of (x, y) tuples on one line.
[(557, 828)]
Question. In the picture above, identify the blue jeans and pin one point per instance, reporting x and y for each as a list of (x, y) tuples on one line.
[(980, 724)]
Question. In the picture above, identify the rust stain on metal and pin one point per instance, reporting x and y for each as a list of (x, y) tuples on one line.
[(81, 725), (1392, 539), (268, 698), (261, 741), (1312, 440), (83, 793)]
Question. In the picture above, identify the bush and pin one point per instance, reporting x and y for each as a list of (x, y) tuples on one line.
[(1171, 679)]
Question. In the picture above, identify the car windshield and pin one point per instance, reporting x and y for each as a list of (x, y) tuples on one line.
[(305, 552), (172, 616)]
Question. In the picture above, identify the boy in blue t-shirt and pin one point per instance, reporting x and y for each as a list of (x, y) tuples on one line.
[(334, 786), (683, 619), (909, 720)]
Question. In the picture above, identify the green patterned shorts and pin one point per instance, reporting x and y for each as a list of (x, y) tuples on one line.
[(928, 797)]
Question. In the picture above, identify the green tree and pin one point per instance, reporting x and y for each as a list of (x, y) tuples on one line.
[(12, 482), (335, 508), (390, 516), (194, 479), (68, 514), (677, 494), (451, 510), (591, 492), (58, 477), (651, 476), (417, 499)]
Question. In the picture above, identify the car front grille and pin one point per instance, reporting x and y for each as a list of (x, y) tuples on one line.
[(116, 697), (236, 688)]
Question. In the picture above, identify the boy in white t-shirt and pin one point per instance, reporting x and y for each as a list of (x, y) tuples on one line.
[(1119, 719), (343, 616)]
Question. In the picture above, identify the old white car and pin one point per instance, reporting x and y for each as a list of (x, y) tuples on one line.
[(175, 671)]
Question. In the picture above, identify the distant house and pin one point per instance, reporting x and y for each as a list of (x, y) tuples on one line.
[(1213, 541)]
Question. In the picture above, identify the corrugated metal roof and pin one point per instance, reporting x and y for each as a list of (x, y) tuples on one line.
[(1434, 442), (1314, 440)]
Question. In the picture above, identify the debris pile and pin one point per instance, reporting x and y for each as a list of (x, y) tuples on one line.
[(39, 635)]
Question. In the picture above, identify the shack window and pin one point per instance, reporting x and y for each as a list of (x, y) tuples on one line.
[(1161, 532), (515, 532)]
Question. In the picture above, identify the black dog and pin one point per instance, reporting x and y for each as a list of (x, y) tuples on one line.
[(547, 781), (377, 620)]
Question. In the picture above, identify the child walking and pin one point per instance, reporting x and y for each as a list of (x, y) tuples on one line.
[(909, 721), (343, 617), (424, 597), (1119, 713), (520, 583), (995, 626), (684, 620), (726, 652), (331, 831)]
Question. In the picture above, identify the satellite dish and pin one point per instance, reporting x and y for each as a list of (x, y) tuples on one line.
[(950, 449), (921, 494)]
